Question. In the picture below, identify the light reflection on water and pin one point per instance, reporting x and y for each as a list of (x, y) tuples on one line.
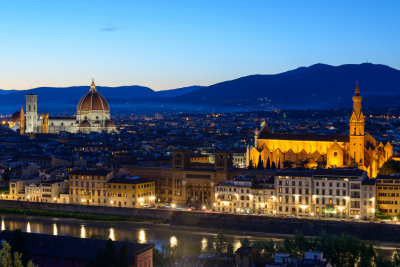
[(142, 236), (123, 231), (112, 234), (118, 231), (173, 241), (55, 231)]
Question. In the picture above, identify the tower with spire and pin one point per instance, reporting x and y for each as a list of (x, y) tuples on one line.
[(22, 121), (357, 139)]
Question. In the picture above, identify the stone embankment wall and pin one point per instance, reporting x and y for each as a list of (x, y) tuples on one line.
[(240, 223)]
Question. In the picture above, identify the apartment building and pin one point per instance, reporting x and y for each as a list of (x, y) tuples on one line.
[(131, 192), (89, 186), (387, 194), (245, 195), (325, 193)]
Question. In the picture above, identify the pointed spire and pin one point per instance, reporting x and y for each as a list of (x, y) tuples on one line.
[(93, 86), (357, 89)]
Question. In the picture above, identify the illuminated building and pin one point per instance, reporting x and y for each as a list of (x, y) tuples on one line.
[(358, 149), (388, 194), (325, 193), (244, 195), (92, 115), (88, 187), (131, 192)]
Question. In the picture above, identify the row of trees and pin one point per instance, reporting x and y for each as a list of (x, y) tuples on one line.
[(109, 258), (340, 250), (16, 253)]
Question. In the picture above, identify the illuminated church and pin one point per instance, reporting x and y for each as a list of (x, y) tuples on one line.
[(286, 150), (92, 115)]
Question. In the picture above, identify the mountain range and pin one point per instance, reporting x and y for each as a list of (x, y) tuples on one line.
[(319, 86)]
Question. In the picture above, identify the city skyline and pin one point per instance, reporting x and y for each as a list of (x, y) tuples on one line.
[(165, 46)]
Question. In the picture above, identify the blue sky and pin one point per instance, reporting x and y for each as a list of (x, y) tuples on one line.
[(170, 44)]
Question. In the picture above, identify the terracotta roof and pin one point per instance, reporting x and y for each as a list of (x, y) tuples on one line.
[(129, 180), (109, 123), (84, 123), (72, 247), (93, 100), (99, 172)]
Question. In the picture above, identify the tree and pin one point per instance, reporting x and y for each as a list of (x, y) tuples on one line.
[(268, 164), (245, 242), (7, 261), (18, 244), (396, 258), (109, 256), (279, 163), (266, 249), (229, 248), (250, 167), (220, 243), (390, 167), (123, 259), (260, 165), (287, 164), (273, 165)]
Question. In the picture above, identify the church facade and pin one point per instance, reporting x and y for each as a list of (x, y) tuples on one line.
[(287, 150), (92, 115)]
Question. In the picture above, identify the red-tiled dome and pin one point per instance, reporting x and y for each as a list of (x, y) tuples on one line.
[(93, 100), (16, 116), (84, 123), (109, 123)]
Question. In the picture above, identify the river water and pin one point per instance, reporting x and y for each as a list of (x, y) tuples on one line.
[(159, 234)]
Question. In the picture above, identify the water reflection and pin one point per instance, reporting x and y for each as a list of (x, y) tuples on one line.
[(83, 232), (3, 225), (112, 234), (173, 241), (236, 245), (204, 244), (55, 231), (142, 236), (28, 227)]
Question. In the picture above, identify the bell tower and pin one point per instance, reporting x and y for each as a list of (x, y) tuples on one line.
[(31, 113), (357, 130)]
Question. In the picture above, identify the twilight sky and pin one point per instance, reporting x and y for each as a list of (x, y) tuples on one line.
[(170, 44)]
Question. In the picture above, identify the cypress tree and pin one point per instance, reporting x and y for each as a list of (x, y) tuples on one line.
[(268, 164), (109, 256), (273, 165), (123, 259)]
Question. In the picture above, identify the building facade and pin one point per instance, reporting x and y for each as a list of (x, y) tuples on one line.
[(245, 195), (131, 192), (388, 194), (89, 187), (92, 115), (358, 149), (325, 193)]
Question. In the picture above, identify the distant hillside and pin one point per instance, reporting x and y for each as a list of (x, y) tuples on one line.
[(178, 92), (316, 87)]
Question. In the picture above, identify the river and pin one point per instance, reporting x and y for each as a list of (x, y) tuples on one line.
[(159, 234)]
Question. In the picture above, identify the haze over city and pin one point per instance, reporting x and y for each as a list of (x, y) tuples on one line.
[(199, 133), (171, 44)]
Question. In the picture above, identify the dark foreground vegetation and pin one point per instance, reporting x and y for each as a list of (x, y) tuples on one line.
[(340, 250)]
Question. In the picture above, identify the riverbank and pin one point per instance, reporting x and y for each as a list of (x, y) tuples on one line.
[(216, 221), (81, 216)]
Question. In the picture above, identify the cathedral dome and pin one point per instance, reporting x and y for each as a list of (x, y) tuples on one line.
[(84, 124), (93, 100), (109, 124), (16, 116)]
